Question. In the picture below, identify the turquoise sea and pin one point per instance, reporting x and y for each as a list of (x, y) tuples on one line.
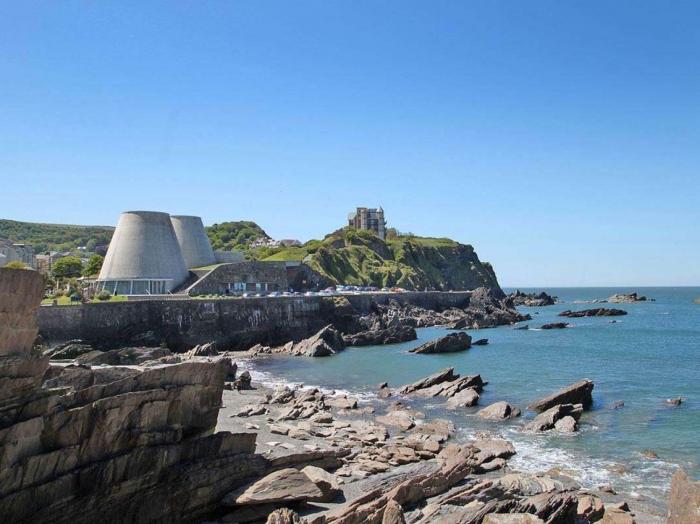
[(647, 356)]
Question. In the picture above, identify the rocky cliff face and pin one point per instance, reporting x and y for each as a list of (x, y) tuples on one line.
[(136, 449), (359, 258)]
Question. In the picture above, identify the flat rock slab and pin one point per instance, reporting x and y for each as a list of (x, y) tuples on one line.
[(285, 485), (499, 411), (580, 392)]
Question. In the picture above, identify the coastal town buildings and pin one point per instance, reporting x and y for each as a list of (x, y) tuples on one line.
[(369, 219), (14, 252)]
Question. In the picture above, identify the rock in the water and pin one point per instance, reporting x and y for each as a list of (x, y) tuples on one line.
[(463, 399), (677, 401), (447, 344), (499, 411), (684, 501), (243, 381), (555, 325), (524, 327), (532, 299), (481, 342), (595, 312), (548, 420), (327, 341), (282, 486), (447, 374), (566, 424), (627, 298), (580, 392), (391, 335)]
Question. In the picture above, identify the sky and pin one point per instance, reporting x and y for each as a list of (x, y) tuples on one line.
[(560, 138)]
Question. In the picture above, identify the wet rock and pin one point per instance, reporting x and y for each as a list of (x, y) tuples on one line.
[(577, 393), (684, 500), (618, 404), (595, 312), (282, 486), (499, 411), (392, 335), (446, 374), (555, 325), (548, 419), (566, 424), (481, 342), (324, 343), (243, 382), (522, 328), (674, 401), (384, 391), (448, 344)]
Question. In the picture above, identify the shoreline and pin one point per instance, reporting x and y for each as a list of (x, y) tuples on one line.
[(645, 509)]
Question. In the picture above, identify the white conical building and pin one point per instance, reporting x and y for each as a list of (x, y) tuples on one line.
[(194, 243), (144, 256)]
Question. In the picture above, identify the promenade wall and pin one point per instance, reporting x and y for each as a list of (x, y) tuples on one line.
[(233, 323)]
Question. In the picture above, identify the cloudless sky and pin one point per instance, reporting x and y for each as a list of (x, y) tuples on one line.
[(560, 138)]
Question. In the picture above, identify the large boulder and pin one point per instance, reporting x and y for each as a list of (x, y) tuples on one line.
[(280, 487), (324, 343), (568, 413), (448, 344), (463, 399), (447, 374), (684, 501), (375, 337), (325, 481), (499, 411), (580, 392), (627, 298)]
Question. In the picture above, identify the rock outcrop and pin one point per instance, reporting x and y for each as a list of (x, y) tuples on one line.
[(595, 312), (112, 446), (580, 392), (532, 299), (326, 342), (448, 344), (563, 417), (555, 325), (627, 298)]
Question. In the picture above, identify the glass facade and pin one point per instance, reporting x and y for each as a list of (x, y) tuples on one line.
[(133, 287)]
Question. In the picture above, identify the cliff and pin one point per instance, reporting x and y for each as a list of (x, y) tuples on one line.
[(356, 257)]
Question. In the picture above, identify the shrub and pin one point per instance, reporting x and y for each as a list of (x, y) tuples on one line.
[(104, 295)]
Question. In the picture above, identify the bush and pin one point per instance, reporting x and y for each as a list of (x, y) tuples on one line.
[(16, 264), (104, 295)]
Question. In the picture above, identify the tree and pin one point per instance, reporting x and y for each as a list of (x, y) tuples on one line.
[(67, 267), (16, 264), (93, 265)]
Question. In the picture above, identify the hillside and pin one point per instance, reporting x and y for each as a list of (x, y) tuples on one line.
[(55, 237), (63, 237), (355, 257)]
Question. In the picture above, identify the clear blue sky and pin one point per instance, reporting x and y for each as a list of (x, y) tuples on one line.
[(560, 138)]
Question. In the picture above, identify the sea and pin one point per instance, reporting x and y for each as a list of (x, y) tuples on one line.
[(641, 359)]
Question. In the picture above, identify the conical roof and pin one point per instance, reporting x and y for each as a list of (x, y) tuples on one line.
[(194, 243), (144, 246)]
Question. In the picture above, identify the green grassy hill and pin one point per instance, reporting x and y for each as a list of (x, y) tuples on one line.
[(55, 237), (356, 257)]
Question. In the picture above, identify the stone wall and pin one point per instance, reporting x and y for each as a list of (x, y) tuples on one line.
[(221, 280), (234, 323)]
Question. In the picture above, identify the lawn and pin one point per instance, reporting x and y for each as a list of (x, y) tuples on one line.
[(65, 301)]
